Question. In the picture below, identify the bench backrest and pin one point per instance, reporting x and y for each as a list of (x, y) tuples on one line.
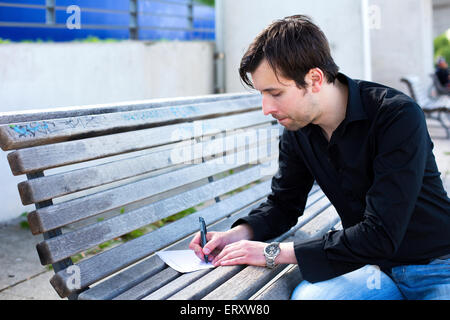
[(111, 170), (418, 91)]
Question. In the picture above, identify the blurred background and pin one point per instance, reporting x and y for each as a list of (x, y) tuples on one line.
[(57, 53)]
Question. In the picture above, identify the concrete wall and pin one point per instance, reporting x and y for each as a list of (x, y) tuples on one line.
[(441, 17), (341, 21), (378, 40), (34, 76), (402, 43), (65, 74)]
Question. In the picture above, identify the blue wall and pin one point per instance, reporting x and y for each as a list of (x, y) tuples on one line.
[(28, 15)]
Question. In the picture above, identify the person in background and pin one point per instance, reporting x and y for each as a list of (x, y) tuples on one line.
[(442, 72)]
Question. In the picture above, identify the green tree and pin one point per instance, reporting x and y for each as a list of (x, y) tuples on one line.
[(206, 2), (442, 46)]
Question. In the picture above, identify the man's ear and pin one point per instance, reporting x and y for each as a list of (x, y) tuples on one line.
[(315, 79)]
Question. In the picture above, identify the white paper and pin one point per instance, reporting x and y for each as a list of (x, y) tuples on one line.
[(183, 260)]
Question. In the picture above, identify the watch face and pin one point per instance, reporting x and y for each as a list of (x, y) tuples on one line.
[(272, 249)]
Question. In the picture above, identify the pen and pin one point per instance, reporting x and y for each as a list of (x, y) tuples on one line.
[(203, 235)]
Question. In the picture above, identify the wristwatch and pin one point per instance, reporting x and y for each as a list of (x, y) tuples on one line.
[(271, 251)]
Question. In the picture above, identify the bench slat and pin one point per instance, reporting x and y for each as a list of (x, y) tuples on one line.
[(120, 282), (108, 262), (198, 289), (33, 191), (165, 291), (77, 111), (23, 135), (244, 284), (160, 279), (127, 279), (215, 279), (282, 288), (68, 244), (51, 156), (58, 215)]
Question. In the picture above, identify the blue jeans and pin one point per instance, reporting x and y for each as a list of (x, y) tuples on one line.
[(412, 282)]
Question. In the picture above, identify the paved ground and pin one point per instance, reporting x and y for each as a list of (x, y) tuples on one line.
[(23, 277)]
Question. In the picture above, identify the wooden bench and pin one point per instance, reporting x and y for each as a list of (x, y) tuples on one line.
[(114, 169), (438, 106)]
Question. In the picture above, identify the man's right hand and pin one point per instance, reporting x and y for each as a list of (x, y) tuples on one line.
[(216, 240)]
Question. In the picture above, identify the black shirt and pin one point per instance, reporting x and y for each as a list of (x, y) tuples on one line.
[(442, 75), (379, 172)]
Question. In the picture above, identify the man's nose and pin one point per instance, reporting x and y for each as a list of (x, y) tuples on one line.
[(267, 106)]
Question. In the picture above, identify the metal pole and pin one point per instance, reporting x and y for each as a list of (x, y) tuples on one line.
[(191, 17), (50, 16), (219, 56), (366, 40), (134, 26)]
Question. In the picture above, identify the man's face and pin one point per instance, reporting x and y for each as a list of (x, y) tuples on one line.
[(294, 108)]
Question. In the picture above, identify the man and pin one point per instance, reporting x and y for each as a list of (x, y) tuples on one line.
[(368, 148), (442, 72)]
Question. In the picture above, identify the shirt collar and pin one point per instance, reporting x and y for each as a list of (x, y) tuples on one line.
[(355, 108)]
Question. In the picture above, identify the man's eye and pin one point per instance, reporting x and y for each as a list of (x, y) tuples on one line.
[(276, 95)]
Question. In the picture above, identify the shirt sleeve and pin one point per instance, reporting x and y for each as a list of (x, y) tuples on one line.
[(290, 187), (402, 148)]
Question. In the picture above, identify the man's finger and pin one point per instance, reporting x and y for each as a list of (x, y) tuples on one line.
[(228, 248), (212, 245), (195, 241), (231, 257)]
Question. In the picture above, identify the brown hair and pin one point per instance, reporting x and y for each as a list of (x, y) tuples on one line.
[(292, 46)]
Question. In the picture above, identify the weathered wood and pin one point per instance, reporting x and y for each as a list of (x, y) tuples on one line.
[(176, 285), (316, 208), (120, 282), (108, 262), (70, 243), (152, 284), (282, 288), (23, 135), (244, 284), (198, 289), (117, 258), (81, 208), (321, 224), (65, 153), (77, 111), (49, 187)]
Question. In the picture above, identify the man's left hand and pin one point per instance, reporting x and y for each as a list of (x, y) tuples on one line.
[(242, 252)]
